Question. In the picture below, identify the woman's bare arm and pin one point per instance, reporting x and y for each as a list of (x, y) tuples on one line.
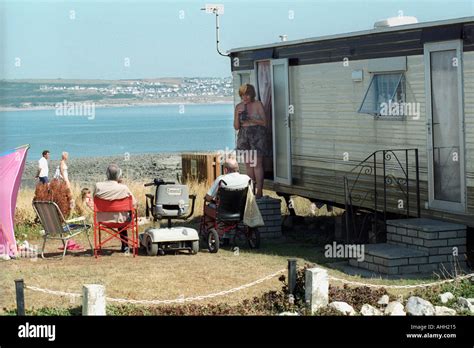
[(61, 168)]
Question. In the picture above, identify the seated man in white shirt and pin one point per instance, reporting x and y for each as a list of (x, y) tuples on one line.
[(232, 178)]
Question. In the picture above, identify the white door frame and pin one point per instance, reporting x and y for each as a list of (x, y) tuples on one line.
[(238, 75), (288, 179), (428, 48)]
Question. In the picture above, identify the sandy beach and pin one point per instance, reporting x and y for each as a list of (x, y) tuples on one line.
[(134, 103), (86, 171)]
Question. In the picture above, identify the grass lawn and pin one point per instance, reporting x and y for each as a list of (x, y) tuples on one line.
[(144, 277), (160, 277), (163, 277)]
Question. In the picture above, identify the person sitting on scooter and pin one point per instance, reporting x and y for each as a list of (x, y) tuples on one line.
[(112, 190)]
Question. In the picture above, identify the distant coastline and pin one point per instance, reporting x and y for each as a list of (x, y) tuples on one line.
[(224, 100), (40, 94)]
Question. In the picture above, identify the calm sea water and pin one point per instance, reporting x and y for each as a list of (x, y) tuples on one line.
[(115, 131)]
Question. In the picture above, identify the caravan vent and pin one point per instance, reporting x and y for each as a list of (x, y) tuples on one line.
[(395, 21)]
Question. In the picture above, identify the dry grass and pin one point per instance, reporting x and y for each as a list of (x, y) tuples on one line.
[(144, 277), (165, 277)]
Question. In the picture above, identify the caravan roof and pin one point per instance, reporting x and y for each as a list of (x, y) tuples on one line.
[(357, 33)]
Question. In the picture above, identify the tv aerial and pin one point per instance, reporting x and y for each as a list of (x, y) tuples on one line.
[(216, 9)]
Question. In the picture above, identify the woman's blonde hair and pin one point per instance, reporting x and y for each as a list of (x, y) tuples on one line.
[(249, 90), (80, 207), (84, 192)]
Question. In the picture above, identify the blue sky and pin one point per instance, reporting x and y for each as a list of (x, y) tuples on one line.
[(47, 43)]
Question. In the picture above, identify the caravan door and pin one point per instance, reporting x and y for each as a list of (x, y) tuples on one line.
[(281, 122), (445, 125)]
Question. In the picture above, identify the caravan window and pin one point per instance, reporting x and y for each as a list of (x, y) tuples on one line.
[(383, 97)]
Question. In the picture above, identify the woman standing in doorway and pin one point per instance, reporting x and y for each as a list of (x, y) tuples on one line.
[(250, 121)]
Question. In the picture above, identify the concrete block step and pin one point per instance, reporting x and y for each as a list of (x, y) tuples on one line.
[(394, 259), (424, 224), (391, 259)]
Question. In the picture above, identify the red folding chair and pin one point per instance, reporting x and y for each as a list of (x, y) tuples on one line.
[(113, 229)]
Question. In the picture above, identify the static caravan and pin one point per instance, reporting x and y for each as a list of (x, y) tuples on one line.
[(379, 120)]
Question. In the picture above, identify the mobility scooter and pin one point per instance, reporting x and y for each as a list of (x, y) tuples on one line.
[(170, 201)]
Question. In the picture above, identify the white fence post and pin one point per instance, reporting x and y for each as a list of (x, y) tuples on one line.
[(316, 288), (93, 299)]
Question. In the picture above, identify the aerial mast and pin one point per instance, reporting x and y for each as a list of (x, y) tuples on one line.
[(216, 9)]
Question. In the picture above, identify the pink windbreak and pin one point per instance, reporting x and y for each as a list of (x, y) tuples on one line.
[(12, 164)]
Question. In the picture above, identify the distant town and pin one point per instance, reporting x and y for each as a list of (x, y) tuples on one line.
[(26, 94)]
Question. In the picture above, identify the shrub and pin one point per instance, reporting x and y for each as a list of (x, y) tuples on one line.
[(356, 296), (57, 192), (462, 288)]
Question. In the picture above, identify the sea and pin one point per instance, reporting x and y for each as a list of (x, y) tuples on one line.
[(120, 130)]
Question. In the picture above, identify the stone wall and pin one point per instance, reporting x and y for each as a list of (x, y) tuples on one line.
[(270, 208)]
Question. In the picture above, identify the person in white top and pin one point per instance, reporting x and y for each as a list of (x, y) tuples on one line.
[(43, 169), (61, 170), (231, 177)]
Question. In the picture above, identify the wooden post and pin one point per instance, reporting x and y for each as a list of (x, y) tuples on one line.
[(93, 299), (20, 297), (291, 276)]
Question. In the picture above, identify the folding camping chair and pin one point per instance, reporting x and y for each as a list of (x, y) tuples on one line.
[(56, 227), (113, 229)]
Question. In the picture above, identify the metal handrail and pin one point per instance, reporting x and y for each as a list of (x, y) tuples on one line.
[(368, 167)]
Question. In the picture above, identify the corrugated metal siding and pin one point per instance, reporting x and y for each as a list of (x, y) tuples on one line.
[(326, 125), (468, 69)]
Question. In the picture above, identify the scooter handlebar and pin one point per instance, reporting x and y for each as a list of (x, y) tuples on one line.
[(157, 182)]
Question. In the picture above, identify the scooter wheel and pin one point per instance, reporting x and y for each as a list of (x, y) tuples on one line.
[(151, 248), (213, 241), (195, 247)]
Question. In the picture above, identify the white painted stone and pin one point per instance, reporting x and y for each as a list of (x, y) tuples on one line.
[(289, 314), (418, 306), (445, 297), (368, 310), (342, 307), (465, 304), (384, 300), (442, 310), (316, 288), (395, 308), (93, 299)]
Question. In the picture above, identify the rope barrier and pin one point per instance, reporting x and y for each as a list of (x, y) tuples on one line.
[(414, 286), (153, 302), (246, 286)]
